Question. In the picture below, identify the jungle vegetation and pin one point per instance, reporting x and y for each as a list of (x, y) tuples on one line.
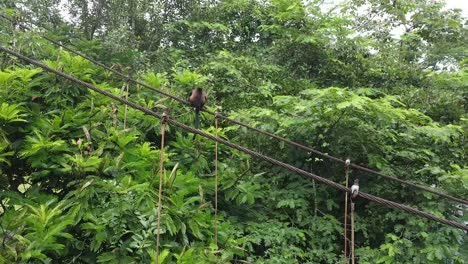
[(382, 82)]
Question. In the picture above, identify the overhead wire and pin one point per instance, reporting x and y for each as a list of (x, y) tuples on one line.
[(285, 140), (252, 153), (290, 142), (351, 165), (123, 76)]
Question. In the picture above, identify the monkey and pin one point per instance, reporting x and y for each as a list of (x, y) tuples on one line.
[(197, 100), (355, 189)]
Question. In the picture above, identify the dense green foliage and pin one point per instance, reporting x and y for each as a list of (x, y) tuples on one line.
[(382, 82)]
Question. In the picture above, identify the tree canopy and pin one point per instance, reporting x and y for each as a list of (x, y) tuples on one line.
[(382, 82)]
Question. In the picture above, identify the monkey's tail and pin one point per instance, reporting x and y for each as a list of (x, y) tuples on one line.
[(197, 119), (197, 122)]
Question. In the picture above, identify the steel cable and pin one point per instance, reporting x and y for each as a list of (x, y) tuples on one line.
[(252, 153), (290, 142)]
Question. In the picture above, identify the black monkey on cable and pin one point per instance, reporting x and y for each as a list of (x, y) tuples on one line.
[(197, 100)]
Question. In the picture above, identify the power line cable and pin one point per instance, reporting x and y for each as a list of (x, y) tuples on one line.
[(123, 76), (352, 165), (252, 153), (290, 142)]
